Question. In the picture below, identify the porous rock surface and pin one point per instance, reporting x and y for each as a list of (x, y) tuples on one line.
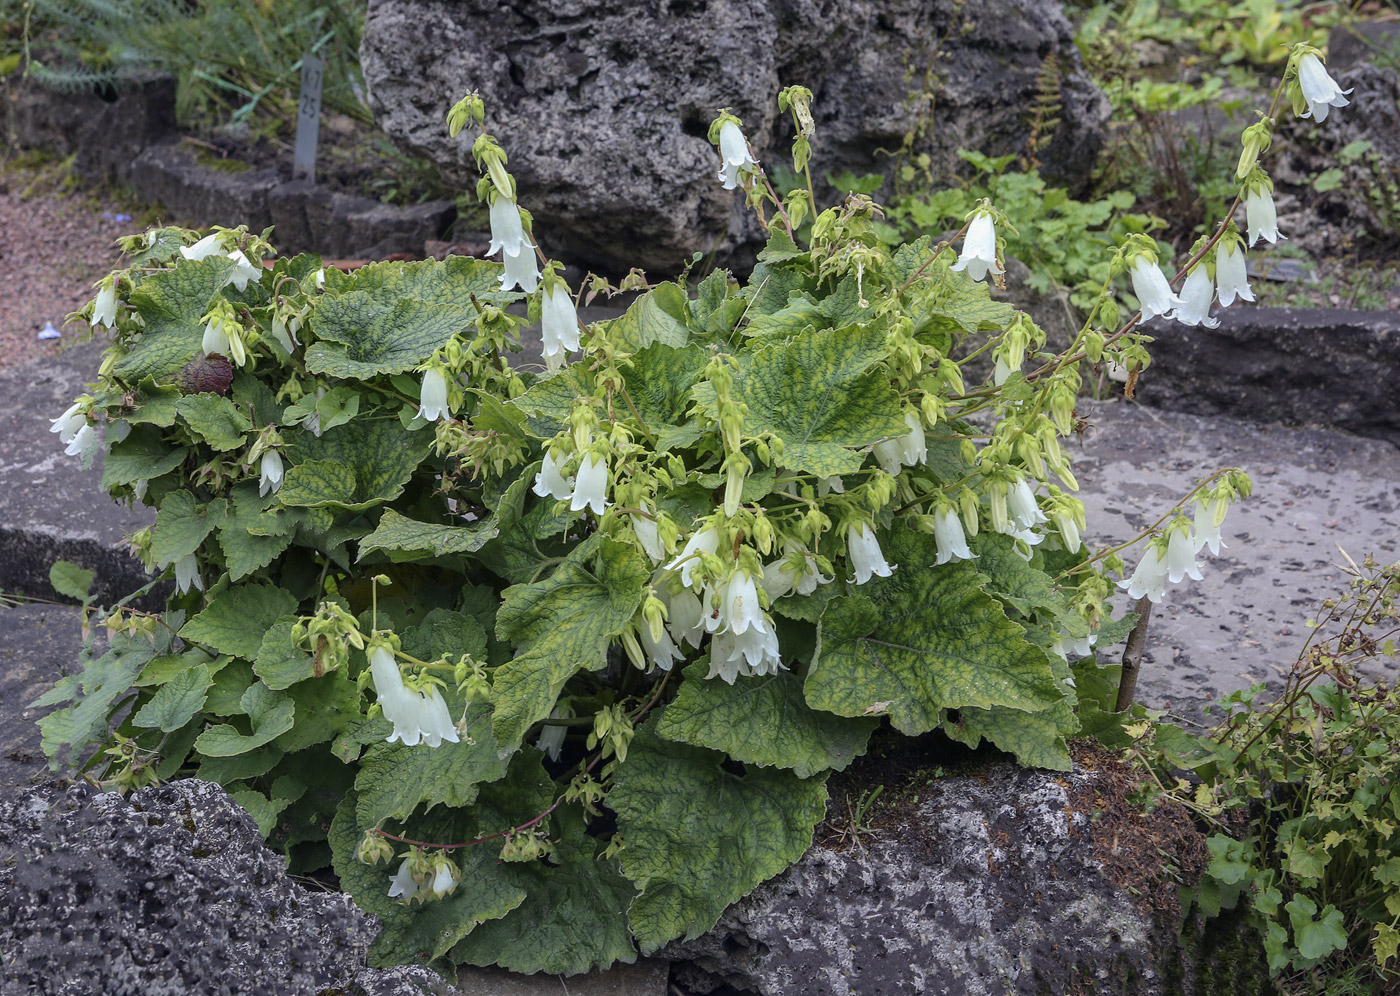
[(603, 105), (999, 886), (169, 893)]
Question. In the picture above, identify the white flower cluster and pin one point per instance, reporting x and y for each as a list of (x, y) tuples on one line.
[(1171, 557), (589, 489), (418, 717)]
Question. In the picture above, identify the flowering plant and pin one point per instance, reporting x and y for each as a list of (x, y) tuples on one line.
[(436, 605)]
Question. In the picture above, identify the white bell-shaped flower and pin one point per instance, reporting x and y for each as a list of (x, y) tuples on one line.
[(1153, 290), (402, 886), (432, 397), (521, 270), (663, 652), (507, 231), (734, 148), (1068, 529), (445, 878), (1021, 503), (1150, 578), (270, 468), (948, 534), (82, 444), (685, 616), (1320, 90), (979, 251), (1181, 557), (1196, 295), (203, 249), (1262, 216), (69, 423), (909, 450), (705, 541), (244, 272), (867, 560), (417, 716), (1207, 521), (558, 325), (551, 738), (550, 483), (1231, 277), (648, 536), (187, 574), (104, 309), (753, 652), (591, 489), (739, 605)]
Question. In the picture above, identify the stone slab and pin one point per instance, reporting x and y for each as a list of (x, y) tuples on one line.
[(38, 645), (50, 508), (1315, 491), (648, 977)]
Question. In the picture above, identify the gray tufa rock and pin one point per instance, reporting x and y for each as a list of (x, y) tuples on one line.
[(167, 894), (1311, 366), (1009, 881), (603, 106)]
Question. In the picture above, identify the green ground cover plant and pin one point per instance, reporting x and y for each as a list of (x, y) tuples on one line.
[(551, 665)]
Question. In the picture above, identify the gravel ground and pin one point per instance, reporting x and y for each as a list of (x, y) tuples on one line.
[(55, 246)]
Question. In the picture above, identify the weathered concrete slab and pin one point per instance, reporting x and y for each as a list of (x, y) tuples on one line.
[(38, 645), (50, 508), (1314, 490)]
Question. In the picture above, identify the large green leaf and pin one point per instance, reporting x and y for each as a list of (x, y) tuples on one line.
[(255, 531), (214, 419), (177, 701), (698, 837), (171, 304), (181, 525), (657, 316), (270, 713), (238, 617), (279, 662), (763, 721), (561, 625), (817, 394), (143, 454), (952, 302), (798, 315), (924, 640), (421, 540), (573, 919), (553, 397), (1036, 738), (325, 706), (394, 780), (445, 632), (1012, 579), (354, 466), (397, 315), (659, 384)]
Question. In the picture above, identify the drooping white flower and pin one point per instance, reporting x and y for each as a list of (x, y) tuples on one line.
[(830, 485), (705, 541), (1062, 645), (446, 877), (432, 396), (1150, 578), (319, 277), (402, 887), (1320, 90), (591, 489), (558, 325), (312, 422), (908, 450), (1262, 215), (203, 249), (796, 571), (551, 738), (734, 148), (1231, 278), (215, 339), (663, 652), (753, 652), (187, 574), (69, 423), (417, 716), (521, 270), (1196, 296), (1207, 528), (867, 560), (979, 251), (1181, 557), (271, 470), (948, 533), (1068, 528), (685, 616), (739, 607), (243, 271), (1153, 290), (507, 231), (649, 537), (550, 483), (104, 309), (82, 444), (1000, 371), (1021, 503)]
